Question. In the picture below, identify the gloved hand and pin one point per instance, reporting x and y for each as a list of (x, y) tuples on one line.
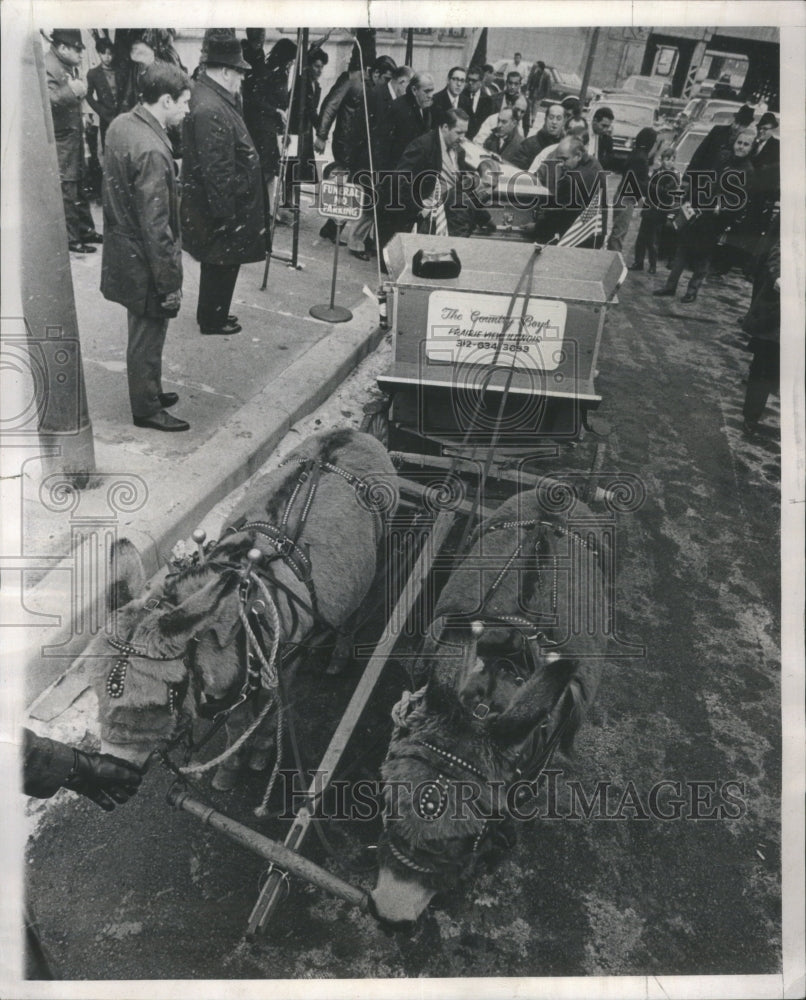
[(171, 302), (105, 779), (78, 87)]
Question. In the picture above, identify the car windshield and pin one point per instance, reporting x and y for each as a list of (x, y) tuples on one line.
[(568, 79), (644, 85), (713, 108), (632, 114)]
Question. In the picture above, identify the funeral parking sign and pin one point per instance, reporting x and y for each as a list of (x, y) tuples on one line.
[(467, 328), (340, 201)]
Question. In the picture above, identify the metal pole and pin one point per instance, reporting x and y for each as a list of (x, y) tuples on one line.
[(301, 83), (589, 64), (270, 894), (409, 46), (339, 231), (48, 300), (267, 848)]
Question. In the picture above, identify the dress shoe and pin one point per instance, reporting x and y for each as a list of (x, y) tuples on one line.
[(92, 237), (77, 247), (689, 297), (636, 267), (162, 421), (663, 291), (168, 399), (221, 331), (232, 319), (360, 254), (330, 234)]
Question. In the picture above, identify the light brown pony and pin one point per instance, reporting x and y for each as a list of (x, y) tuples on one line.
[(317, 521)]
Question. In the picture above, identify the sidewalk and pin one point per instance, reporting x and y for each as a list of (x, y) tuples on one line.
[(240, 395)]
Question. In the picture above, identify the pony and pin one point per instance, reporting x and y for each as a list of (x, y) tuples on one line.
[(512, 662), (293, 566)]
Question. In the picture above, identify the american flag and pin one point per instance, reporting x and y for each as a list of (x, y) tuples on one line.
[(588, 223)]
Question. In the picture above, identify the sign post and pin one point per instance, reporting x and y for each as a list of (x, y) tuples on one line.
[(343, 203)]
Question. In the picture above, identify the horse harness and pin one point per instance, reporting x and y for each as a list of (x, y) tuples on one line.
[(287, 547), (529, 760)]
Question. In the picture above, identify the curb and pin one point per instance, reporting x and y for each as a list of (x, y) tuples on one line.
[(215, 469)]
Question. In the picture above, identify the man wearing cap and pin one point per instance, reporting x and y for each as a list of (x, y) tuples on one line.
[(708, 155), (766, 157), (142, 262), (223, 220), (67, 92)]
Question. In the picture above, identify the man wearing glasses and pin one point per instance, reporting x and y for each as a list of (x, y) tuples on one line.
[(447, 99), (474, 102)]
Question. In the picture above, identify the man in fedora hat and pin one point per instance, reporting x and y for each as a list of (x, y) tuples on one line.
[(67, 91), (223, 221)]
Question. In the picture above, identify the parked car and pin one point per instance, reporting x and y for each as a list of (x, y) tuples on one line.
[(647, 86), (703, 109), (630, 115), (686, 144), (564, 84)]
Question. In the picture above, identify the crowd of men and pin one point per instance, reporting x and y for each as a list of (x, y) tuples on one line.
[(391, 131)]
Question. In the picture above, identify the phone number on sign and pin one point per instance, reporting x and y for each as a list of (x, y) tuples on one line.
[(491, 345)]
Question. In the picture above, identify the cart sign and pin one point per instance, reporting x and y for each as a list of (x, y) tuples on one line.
[(465, 328), (340, 201)]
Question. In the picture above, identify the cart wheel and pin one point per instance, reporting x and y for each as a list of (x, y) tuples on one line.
[(377, 424), (376, 420)]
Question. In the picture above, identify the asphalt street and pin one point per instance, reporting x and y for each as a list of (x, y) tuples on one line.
[(147, 893)]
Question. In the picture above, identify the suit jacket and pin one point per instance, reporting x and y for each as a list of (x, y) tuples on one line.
[(484, 109), (602, 149), (99, 94), (533, 145), (509, 148), (503, 100), (142, 250), (442, 103), (706, 155), (571, 193), (222, 185), (380, 102), (767, 165), (65, 109), (407, 123), (422, 162)]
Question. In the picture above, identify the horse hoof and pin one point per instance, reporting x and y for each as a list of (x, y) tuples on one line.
[(225, 779)]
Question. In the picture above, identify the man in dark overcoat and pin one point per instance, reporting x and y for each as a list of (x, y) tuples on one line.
[(223, 218), (411, 114), (142, 262), (66, 92)]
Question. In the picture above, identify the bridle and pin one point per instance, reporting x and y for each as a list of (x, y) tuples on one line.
[(257, 609), (528, 760)]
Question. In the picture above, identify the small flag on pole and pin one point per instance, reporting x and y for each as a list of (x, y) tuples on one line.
[(587, 224)]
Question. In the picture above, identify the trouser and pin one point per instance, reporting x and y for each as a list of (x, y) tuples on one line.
[(76, 210), (762, 379), (216, 287), (144, 363), (358, 231), (646, 243), (622, 215), (698, 263)]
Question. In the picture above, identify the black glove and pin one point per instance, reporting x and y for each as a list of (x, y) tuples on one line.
[(103, 778)]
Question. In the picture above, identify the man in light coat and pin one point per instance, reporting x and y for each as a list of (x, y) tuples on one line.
[(142, 261)]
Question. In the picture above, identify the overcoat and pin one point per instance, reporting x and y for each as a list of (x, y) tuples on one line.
[(142, 250), (222, 190), (67, 123)]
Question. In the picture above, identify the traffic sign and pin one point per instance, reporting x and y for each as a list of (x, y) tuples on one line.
[(338, 200)]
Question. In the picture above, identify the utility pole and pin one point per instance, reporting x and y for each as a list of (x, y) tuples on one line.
[(594, 41), (48, 300)]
